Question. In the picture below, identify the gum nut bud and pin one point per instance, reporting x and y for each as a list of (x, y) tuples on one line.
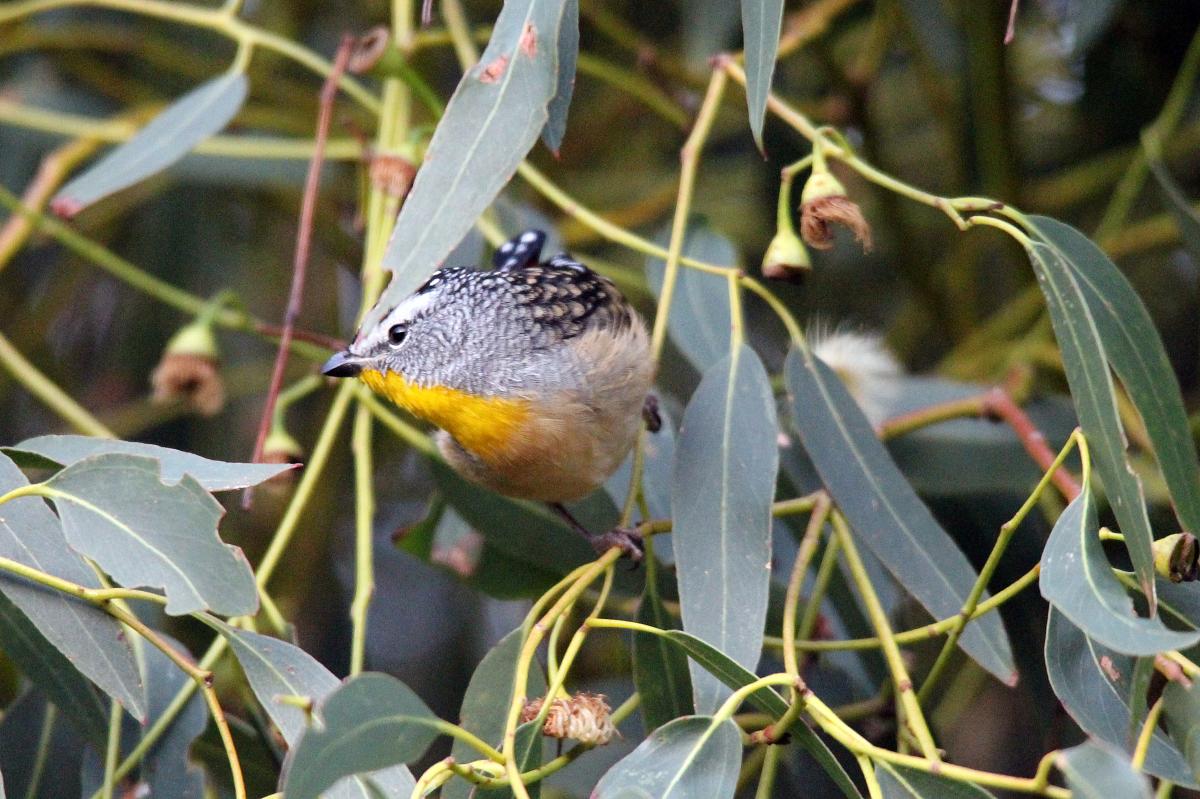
[(786, 258), (1176, 557), (280, 447), (196, 338), (821, 184)]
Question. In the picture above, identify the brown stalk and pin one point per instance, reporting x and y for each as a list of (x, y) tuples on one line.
[(303, 244)]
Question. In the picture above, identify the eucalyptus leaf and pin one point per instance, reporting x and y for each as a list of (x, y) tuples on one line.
[(1136, 353), (884, 510), (898, 782), (1094, 684), (723, 484), (660, 670), (371, 722), (212, 475), (1099, 770), (1085, 361), (168, 137), (275, 668), (91, 639), (116, 510), (690, 757), (1077, 579), (568, 55), (496, 114), (1182, 707), (699, 317), (488, 693), (40, 753), (761, 23)]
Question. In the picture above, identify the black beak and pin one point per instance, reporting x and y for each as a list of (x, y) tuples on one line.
[(343, 364)]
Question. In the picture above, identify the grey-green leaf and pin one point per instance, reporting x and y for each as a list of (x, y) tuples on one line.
[(898, 782), (1085, 361), (488, 693), (1094, 684), (496, 114), (168, 137), (275, 668), (884, 510), (1077, 579), (699, 320), (1099, 770), (568, 55), (761, 23), (90, 638), (212, 475), (722, 487), (1182, 706), (40, 753), (660, 670), (371, 722), (117, 510), (1136, 353), (690, 757)]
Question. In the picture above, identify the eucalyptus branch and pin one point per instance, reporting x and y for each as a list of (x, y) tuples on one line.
[(48, 391)]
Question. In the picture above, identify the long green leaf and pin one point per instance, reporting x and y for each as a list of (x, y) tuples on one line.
[(90, 639), (1135, 352), (690, 757), (168, 137), (884, 510), (568, 55), (40, 753), (212, 475), (898, 782), (1085, 361), (1099, 770), (1094, 684), (722, 487), (372, 722), (117, 510), (495, 116), (1077, 579), (761, 22)]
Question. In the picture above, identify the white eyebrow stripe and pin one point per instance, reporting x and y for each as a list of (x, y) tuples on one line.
[(403, 313)]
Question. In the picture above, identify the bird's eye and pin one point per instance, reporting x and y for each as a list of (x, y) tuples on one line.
[(396, 335)]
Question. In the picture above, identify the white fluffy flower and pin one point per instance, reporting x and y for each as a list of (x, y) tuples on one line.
[(864, 363)]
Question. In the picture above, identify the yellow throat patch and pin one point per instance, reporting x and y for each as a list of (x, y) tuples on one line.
[(486, 426)]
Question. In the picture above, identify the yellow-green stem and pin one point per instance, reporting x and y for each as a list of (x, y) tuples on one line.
[(364, 525)]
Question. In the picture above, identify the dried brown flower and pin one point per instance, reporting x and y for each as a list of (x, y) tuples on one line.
[(585, 717), (392, 174), (368, 49), (190, 377), (817, 215)]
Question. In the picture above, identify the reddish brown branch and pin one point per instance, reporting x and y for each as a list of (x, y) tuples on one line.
[(303, 243)]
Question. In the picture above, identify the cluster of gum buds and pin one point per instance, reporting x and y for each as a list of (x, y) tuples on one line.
[(584, 717), (823, 204)]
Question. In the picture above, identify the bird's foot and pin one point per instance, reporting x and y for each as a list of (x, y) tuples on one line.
[(627, 539)]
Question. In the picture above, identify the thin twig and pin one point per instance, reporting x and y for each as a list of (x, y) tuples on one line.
[(303, 244)]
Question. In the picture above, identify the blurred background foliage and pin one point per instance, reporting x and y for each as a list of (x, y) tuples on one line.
[(925, 89)]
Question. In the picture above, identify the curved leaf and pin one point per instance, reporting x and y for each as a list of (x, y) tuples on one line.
[(898, 782), (699, 320), (1136, 353), (212, 475), (1077, 579), (884, 510), (568, 55), (91, 639), (276, 668), (761, 22), (1085, 361), (722, 487), (1098, 770), (690, 757), (117, 510), (495, 116), (1094, 684), (371, 722), (488, 693), (168, 137)]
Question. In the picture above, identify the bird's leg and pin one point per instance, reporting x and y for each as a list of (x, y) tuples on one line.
[(650, 414), (629, 541)]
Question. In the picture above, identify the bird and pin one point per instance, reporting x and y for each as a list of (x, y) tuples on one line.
[(537, 374)]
